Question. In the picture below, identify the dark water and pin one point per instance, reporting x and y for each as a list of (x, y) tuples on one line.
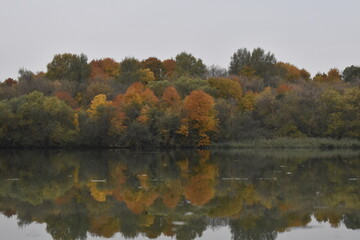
[(264, 194)]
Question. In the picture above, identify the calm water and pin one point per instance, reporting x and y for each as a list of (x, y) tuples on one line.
[(247, 194)]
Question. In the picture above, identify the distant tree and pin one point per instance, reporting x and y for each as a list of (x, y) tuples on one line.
[(96, 102), (69, 66), (351, 74), (226, 88), (96, 87), (25, 75), (290, 73), (8, 89), (129, 71), (239, 60), (104, 68), (305, 74), (158, 87), (10, 82), (187, 64), (171, 98), (258, 60), (185, 85), (65, 96), (156, 66), (169, 65), (332, 76), (216, 71), (29, 82), (146, 76), (320, 77)]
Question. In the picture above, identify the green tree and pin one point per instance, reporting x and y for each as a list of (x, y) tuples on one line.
[(261, 62), (69, 66), (352, 74), (36, 120), (129, 71), (187, 64)]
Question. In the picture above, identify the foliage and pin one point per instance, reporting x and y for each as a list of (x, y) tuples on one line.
[(129, 71), (68, 66), (36, 120), (104, 69), (155, 66), (351, 74), (187, 64), (226, 88), (176, 102), (200, 116), (261, 62)]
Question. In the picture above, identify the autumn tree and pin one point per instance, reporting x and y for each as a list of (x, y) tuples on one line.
[(171, 97), (290, 73), (138, 94), (146, 76), (200, 118), (169, 65), (104, 68), (154, 65), (137, 105), (332, 76), (102, 124), (9, 82), (65, 96), (320, 77), (226, 88)]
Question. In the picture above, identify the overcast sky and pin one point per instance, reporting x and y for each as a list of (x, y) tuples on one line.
[(312, 34)]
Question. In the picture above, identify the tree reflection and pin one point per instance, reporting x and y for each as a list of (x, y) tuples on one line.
[(179, 194)]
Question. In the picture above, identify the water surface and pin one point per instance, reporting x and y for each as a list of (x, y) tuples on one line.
[(115, 194)]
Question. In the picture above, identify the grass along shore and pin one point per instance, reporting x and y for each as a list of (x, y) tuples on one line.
[(286, 142)]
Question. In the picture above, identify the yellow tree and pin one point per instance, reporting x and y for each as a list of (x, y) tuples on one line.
[(96, 102), (226, 88), (146, 76)]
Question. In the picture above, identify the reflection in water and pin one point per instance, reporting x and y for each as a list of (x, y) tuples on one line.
[(181, 194)]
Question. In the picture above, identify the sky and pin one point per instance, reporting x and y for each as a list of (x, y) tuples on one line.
[(313, 34)]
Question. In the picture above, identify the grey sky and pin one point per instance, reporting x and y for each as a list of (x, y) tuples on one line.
[(312, 34)]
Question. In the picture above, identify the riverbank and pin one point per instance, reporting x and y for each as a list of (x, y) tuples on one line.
[(286, 142), (260, 143)]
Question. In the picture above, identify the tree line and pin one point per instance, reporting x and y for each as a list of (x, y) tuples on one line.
[(175, 102)]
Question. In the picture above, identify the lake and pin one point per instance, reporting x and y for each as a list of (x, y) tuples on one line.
[(219, 194)]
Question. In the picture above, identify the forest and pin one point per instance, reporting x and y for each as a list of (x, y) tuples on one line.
[(178, 102)]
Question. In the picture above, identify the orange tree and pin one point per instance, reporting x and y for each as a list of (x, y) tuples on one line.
[(199, 120)]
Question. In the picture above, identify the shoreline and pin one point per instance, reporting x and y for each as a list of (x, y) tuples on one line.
[(260, 143)]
